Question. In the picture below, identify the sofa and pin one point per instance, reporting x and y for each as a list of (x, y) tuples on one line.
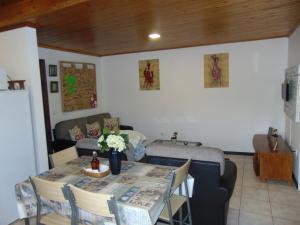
[(63, 140), (213, 183)]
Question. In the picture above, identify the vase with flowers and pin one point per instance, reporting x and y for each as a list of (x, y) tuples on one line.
[(114, 143)]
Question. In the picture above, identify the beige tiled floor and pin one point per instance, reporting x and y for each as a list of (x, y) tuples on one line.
[(258, 203), (261, 203)]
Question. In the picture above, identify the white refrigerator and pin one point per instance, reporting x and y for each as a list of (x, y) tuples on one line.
[(17, 155)]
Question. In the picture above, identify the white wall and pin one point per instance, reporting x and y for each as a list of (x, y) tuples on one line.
[(53, 57), (19, 56), (222, 117), (292, 128)]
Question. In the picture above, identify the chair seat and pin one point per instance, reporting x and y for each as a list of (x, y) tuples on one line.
[(176, 203), (55, 219)]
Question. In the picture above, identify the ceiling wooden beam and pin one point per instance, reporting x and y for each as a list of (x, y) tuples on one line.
[(14, 12)]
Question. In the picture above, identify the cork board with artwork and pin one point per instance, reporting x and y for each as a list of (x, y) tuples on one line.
[(78, 81)]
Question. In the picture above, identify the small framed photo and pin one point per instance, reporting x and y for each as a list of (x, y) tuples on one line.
[(54, 86), (52, 70)]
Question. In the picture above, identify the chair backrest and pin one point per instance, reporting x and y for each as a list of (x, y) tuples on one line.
[(96, 203), (64, 156), (50, 190), (180, 174)]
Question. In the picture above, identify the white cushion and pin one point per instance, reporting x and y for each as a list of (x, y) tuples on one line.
[(134, 137)]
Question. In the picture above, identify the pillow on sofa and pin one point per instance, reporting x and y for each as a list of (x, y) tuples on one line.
[(93, 130), (76, 134), (134, 137), (111, 123)]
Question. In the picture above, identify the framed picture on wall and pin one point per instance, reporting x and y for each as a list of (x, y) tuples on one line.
[(54, 86), (149, 74), (52, 70), (216, 70)]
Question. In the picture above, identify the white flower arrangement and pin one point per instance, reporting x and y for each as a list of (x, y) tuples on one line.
[(110, 139)]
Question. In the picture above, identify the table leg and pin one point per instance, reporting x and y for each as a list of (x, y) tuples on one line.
[(27, 222)]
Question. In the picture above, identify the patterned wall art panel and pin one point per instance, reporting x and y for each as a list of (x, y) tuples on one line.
[(216, 70), (78, 81), (149, 74)]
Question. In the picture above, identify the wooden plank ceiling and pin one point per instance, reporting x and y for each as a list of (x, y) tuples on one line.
[(107, 27)]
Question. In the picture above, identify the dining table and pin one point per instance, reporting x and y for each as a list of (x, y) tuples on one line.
[(140, 190)]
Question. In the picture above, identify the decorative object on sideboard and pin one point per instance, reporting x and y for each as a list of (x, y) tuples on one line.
[(174, 137), (54, 86), (273, 138), (52, 70), (272, 132)]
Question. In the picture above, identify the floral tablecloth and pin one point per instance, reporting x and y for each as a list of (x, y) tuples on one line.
[(139, 190)]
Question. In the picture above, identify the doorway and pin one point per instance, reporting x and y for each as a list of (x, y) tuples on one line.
[(46, 106)]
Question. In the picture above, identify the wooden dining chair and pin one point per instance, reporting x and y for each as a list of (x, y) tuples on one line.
[(99, 204), (52, 191), (62, 157), (174, 203)]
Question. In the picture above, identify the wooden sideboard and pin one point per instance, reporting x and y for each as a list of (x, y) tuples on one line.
[(269, 163)]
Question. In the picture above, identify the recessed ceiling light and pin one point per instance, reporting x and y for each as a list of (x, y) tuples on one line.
[(154, 36)]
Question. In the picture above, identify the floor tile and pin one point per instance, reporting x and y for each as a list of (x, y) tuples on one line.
[(255, 206), (240, 173), (240, 167), (239, 181), (255, 194), (278, 221), (281, 186), (236, 157), (235, 202), (250, 202), (248, 160), (254, 219), (286, 198), (237, 192), (233, 217), (285, 212), (248, 167), (254, 182), (249, 172)]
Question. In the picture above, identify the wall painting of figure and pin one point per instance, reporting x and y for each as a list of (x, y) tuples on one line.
[(216, 70), (149, 74)]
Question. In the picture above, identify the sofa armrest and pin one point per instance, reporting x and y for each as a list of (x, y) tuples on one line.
[(126, 127), (229, 177), (61, 144)]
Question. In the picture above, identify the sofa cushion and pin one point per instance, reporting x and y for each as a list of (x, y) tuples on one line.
[(62, 128), (99, 118), (112, 123), (76, 133), (134, 137), (93, 130)]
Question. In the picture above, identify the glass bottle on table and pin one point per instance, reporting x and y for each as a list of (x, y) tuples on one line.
[(95, 163)]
